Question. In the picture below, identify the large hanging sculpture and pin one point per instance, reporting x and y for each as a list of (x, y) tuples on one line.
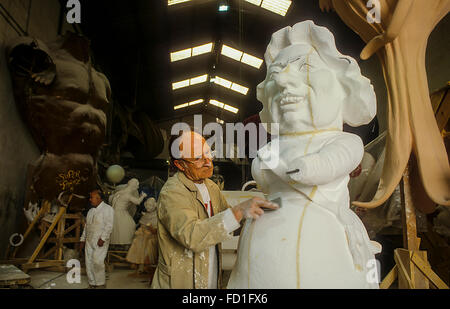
[(400, 41), (63, 100), (314, 240)]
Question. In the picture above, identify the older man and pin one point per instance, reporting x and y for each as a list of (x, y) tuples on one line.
[(194, 218), (96, 234)]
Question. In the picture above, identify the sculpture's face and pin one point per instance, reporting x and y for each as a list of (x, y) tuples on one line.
[(300, 92), (133, 184)]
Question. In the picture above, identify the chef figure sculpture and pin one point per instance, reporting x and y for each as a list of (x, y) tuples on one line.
[(314, 240)]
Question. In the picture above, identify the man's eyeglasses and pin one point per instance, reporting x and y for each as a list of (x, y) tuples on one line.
[(200, 161)]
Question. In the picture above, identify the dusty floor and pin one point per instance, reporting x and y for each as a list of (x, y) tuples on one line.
[(117, 279)]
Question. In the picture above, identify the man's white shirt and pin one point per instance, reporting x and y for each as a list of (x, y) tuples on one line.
[(230, 223), (99, 223)]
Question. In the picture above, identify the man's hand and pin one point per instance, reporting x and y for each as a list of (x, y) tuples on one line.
[(252, 208), (81, 246), (100, 242)]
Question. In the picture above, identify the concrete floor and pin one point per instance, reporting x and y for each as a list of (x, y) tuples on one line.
[(117, 279)]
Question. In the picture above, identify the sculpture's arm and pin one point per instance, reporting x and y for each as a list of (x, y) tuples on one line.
[(395, 26), (335, 160), (137, 200), (29, 58)]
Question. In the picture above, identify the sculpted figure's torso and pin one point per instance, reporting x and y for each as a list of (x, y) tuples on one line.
[(77, 99), (63, 99), (314, 240)]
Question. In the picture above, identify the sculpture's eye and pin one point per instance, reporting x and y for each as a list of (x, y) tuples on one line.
[(275, 69), (305, 66)]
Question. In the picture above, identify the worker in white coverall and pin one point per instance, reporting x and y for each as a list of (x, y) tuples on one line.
[(95, 239)]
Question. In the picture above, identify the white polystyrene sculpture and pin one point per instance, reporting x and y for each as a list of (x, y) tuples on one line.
[(124, 203), (314, 240)]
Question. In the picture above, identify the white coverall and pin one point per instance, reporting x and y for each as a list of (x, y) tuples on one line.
[(99, 224)]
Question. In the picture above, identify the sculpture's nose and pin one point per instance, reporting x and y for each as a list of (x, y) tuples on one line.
[(283, 78)]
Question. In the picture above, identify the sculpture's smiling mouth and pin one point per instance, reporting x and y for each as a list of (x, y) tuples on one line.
[(290, 103), (291, 99)]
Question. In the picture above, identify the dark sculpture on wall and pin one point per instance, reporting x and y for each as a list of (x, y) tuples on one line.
[(63, 100)]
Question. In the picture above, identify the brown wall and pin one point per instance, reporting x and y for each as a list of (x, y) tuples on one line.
[(17, 148)]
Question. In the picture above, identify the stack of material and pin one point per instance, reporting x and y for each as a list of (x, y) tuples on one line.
[(13, 277)]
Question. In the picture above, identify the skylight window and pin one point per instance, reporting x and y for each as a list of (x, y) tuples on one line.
[(190, 82), (173, 2), (279, 7), (241, 56), (188, 104), (191, 52), (230, 85), (224, 106)]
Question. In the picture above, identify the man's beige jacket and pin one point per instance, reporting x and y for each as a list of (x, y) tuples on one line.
[(185, 233)]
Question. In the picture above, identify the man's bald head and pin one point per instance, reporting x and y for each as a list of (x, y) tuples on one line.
[(191, 155)]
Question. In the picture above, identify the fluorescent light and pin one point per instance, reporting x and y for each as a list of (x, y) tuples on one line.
[(180, 55), (190, 82), (252, 60), (173, 2), (216, 103), (223, 6), (191, 52), (181, 106), (230, 109), (239, 88), (188, 104), (181, 84), (231, 52), (241, 56), (222, 82), (277, 6), (202, 49), (255, 2), (195, 102), (223, 106), (199, 79), (220, 121), (230, 85)]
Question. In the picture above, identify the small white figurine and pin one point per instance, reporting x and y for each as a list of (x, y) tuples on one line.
[(122, 200), (144, 249), (31, 212), (314, 240)]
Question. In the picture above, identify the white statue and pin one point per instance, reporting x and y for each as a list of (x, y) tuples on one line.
[(31, 212), (149, 216), (314, 240), (144, 249), (124, 202)]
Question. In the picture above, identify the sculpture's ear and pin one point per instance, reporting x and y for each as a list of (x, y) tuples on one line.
[(360, 105), (261, 96), (260, 93)]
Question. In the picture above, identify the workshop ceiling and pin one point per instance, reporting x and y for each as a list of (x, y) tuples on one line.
[(132, 42)]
